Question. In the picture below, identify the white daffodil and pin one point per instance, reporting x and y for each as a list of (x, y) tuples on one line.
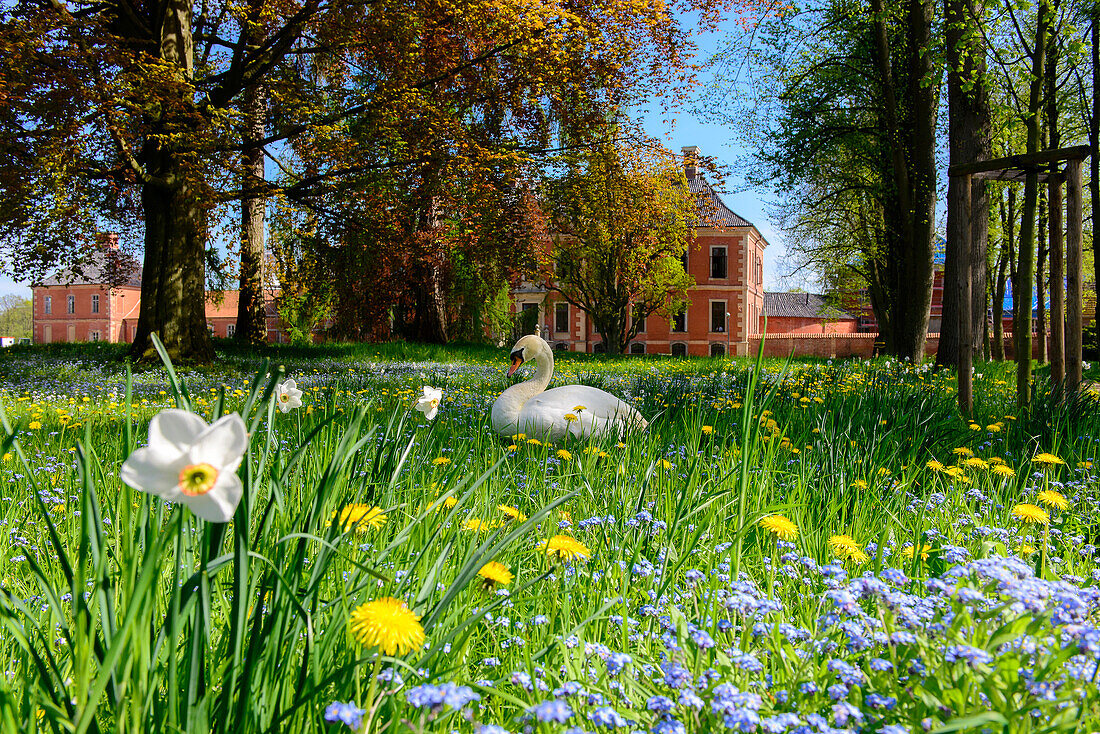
[(191, 462), (428, 404), (288, 396)]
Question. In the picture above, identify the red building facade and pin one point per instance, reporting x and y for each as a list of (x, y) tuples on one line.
[(726, 260)]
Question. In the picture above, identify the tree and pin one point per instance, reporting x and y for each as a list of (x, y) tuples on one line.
[(844, 115), (622, 218), (969, 136), (15, 316)]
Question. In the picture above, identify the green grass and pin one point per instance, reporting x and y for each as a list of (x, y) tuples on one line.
[(121, 613)]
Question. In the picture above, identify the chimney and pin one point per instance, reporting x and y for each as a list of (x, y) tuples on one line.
[(691, 160)]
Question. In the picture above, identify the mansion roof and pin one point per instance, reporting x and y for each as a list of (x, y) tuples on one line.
[(712, 211), (802, 305), (103, 267)]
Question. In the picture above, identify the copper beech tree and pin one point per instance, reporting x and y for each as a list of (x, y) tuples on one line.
[(622, 218), (159, 114)]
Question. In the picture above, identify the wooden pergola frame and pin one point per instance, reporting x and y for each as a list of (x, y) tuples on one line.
[(1065, 366)]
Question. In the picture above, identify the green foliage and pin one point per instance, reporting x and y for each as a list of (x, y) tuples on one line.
[(15, 316)]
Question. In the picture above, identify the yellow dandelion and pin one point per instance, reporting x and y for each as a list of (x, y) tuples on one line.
[(843, 544), (975, 427), (620, 445), (511, 447), (1027, 550), (975, 462), (707, 430), (1003, 470), (996, 460), (1048, 459), (7, 457), (564, 455), (359, 517), (534, 442), (519, 437), (570, 418), (495, 574), (1054, 500), (665, 464), (907, 551), (993, 428), (34, 425), (512, 513), (476, 525), (564, 548), (1031, 514), (962, 451), (859, 484), (387, 624), (779, 526), (579, 408), (935, 465), (441, 461)]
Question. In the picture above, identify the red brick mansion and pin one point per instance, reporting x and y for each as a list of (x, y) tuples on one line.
[(99, 300)]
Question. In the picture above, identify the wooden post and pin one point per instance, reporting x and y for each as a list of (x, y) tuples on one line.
[(966, 351), (1074, 299), (1057, 286)]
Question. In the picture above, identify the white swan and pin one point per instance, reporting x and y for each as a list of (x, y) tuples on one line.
[(577, 410)]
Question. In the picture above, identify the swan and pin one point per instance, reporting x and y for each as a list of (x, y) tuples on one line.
[(526, 408)]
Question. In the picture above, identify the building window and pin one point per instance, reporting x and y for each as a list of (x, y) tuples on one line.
[(718, 262), (70, 304), (93, 336), (230, 330), (684, 259), (528, 317), (679, 349), (680, 321), (95, 303), (636, 317), (599, 348), (717, 315), (48, 305), (637, 347), (562, 346), (561, 317), (717, 349)]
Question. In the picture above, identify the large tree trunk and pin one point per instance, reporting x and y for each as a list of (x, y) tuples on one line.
[(1021, 296), (251, 309), (911, 139), (970, 136), (173, 280), (1094, 162), (1040, 279)]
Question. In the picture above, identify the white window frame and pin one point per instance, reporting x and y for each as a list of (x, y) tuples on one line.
[(48, 305), (70, 304), (231, 329), (93, 335)]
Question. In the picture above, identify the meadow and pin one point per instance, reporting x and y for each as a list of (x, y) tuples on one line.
[(790, 547)]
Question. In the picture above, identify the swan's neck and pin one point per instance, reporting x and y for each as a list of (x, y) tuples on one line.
[(511, 401)]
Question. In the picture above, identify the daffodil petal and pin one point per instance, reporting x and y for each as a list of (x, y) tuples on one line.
[(219, 504), (172, 431), (222, 444)]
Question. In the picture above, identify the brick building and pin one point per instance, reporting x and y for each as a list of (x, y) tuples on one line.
[(727, 301), (100, 298), (806, 313)]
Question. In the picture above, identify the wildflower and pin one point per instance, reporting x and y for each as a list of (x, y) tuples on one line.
[(477, 526), (512, 513), (975, 427), (428, 402), (607, 717), (935, 465), (7, 457), (564, 548), (564, 455), (345, 713), (976, 463), (34, 425), (907, 551), (1003, 470), (436, 697), (707, 430), (441, 461), (859, 484), (1054, 500), (288, 396), (387, 624), (579, 408), (360, 517), (534, 442), (191, 462), (779, 526), (495, 574), (993, 428), (1048, 459), (1031, 514), (1027, 549), (557, 711), (962, 451), (570, 418), (843, 544), (665, 464)]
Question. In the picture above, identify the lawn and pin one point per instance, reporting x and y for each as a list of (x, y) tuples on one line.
[(805, 546)]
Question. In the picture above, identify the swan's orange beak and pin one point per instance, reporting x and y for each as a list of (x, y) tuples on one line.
[(517, 360)]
